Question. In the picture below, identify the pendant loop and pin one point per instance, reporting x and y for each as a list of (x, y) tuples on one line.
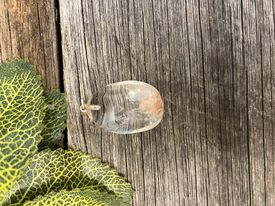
[(89, 107)]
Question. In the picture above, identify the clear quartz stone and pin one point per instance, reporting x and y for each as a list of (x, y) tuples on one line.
[(127, 107)]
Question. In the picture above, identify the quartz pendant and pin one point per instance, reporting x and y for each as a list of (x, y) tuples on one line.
[(126, 107)]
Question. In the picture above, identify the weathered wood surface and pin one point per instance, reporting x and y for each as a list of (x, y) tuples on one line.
[(28, 30), (213, 62)]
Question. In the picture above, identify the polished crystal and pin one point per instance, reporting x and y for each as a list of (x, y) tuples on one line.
[(126, 107)]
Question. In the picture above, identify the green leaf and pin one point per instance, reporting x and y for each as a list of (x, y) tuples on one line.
[(21, 115), (60, 169), (77, 197), (54, 121), (56, 177)]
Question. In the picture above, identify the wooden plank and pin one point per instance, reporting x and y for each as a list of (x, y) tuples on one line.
[(225, 102), (211, 63), (268, 76), (259, 38), (28, 30), (235, 140), (195, 114), (210, 40), (110, 46)]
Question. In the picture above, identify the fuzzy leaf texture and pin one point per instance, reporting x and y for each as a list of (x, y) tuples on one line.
[(58, 170), (75, 198), (54, 121), (21, 115)]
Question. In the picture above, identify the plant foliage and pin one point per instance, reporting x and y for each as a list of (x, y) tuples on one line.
[(32, 170), (22, 108), (54, 121), (76, 197)]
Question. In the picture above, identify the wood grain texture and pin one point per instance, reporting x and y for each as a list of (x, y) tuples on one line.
[(213, 62), (28, 30)]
